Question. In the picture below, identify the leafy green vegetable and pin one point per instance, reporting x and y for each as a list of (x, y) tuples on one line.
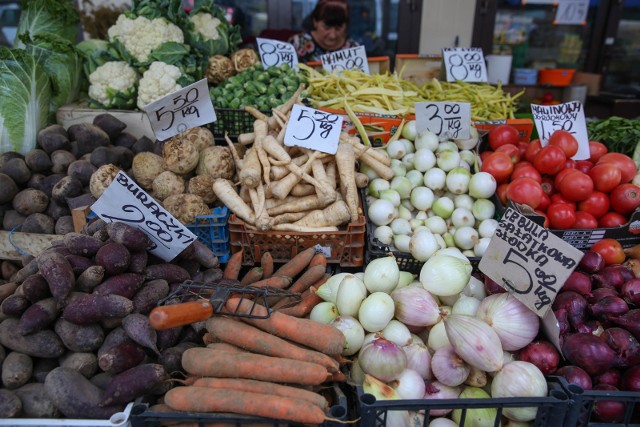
[(24, 104), (58, 17), (96, 52), (618, 134), (152, 9)]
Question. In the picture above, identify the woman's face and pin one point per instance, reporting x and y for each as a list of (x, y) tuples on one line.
[(329, 38)]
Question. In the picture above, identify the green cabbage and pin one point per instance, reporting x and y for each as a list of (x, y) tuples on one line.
[(60, 17), (24, 104)]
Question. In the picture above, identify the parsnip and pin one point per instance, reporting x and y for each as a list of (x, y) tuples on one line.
[(250, 172), (345, 160), (298, 204), (335, 214), (227, 195)]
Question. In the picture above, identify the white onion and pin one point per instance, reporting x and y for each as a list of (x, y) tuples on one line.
[(443, 207), (487, 227), (416, 177), (481, 246), (404, 212), (400, 226), (423, 245), (445, 274), (483, 209), (448, 368), (424, 159), (376, 311), (435, 178), (464, 165), (382, 359), (466, 305), (351, 293), (475, 288), (514, 323), (384, 234), (370, 337), (356, 373), (407, 205), (468, 157), (402, 185), (409, 385), (421, 215), (449, 300), (422, 198), (436, 224), (419, 359), (462, 217), (415, 306), (397, 333), (381, 275), (391, 195), (376, 185), (463, 201), (371, 174), (402, 242), (427, 140), (381, 212), (447, 146), (437, 390), (482, 185), (441, 243), (448, 239), (466, 237), (471, 142), (398, 168), (415, 223), (457, 180), (328, 290), (442, 422), (396, 149), (324, 312), (406, 278), (408, 145), (407, 162), (437, 336), (474, 341), (359, 275), (519, 379), (352, 331), (447, 160), (409, 130)]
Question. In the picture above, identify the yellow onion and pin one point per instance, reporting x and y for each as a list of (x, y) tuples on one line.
[(474, 341)]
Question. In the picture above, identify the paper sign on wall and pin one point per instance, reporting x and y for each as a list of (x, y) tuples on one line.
[(568, 116), (276, 52), (572, 12), (464, 63), (528, 261), (447, 119), (126, 202), (346, 59), (183, 109), (313, 129)]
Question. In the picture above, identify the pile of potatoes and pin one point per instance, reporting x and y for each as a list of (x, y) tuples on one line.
[(75, 339)]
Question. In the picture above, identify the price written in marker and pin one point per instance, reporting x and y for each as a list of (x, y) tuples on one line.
[(181, 110), (275, 52), (447, 119), (313, 129), (346, 59), (571, 12), (569, 117), (464, 64)]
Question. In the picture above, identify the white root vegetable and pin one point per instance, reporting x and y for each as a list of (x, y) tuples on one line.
[(225, 192), (288, 218), (300, 190), (362, 180), (331, 171), (345, 160), (263, 221), (298, 204), (279, 172), (260, 130), (299, 229), (246, 138), (335, 214), (250, 174)]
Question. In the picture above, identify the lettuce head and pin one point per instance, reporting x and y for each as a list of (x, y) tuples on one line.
[(60, 17)]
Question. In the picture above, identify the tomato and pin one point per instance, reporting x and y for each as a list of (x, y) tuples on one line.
[(561, 216), (560, 176), (570, 164), (485, 154), (545, 201), (564, 140), (522, 146), (503, 134), (499, 165), (522, 164), (576, 186), (547, 186), (512, 151), (605, 176), (525, 191), (501, 192), (585, 220), (626, 164), (584, 166), (625, 198), (549, 160), (526, 171), (611, 250), (558, 198), (534, 147), (612, 219), (597, 204), (597, 150)]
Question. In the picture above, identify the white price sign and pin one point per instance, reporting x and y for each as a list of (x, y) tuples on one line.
[(126, 202), (446, 119), (465, 64), (572, 12), (275, 52), (183, 109), (313, 129), (346, 59), (568, 116)]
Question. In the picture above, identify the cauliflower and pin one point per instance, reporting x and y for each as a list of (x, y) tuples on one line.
[(113, 85), (159, 80), (206, 25), (140, 36)]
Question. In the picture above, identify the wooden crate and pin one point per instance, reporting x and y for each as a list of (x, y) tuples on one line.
[(418, 69)]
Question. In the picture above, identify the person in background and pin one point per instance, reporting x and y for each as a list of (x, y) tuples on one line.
[(328, 32)]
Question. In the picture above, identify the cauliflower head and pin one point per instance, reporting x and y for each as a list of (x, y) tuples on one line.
[(159, 80), (141, 36), (113, 85), (207, 25)]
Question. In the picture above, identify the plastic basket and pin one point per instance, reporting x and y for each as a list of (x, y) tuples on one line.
[(552, 409), (213, 231), (233, 122), (525, 76), (119, 419), (556, 76), (581, 412)]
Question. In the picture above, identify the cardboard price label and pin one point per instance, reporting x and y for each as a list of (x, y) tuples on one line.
[(568, 116), (313, 129), (346, 59), (183, 109), (465, 64), (447, 119), (275, 52), (126, 202), (572, 12), (528, 261)]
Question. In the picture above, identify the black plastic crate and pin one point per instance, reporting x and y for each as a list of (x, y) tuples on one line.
[(552, 410), (233, 122), (581, 412)]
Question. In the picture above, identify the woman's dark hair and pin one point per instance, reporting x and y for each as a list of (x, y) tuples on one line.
[(334, 13)]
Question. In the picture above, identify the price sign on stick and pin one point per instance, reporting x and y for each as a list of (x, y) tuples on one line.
[(274, 52), (447, 119), (568, 116), (313, 129), (528, 261), (572, 12), (465, 64), (126, 202), (346, 59), (181, 110)]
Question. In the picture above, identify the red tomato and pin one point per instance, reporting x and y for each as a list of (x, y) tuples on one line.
[(547, 186), (549, 160), (545, 201), (521, 164), (611, 250), (612, 219), (576, 186), (558, 198), (584, 166), (522, 146), (485, 154), (512, 151), (526, 171), (499, 165), (503, 134), (561, 216), (501, 192), (625, 198), (545, 223), (585, 220), (597, 150), (597, 204), (570, 164), (626, 164), (560, 176), (605, 176), (565, 140), (533, 148), (526, 191)]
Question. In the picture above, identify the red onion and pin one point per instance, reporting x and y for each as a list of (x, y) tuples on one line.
[(597, 294), (611, 376), (612, 276), (608, 411), (630, 321), (589, 352), (593, 327), (578, 282), (631, 379), (627, 272), (591, 262), (622, 342), (630, 291), (576, 307), (492, 287), (575, 375), (609, 307), (542, 354), (563, 321)]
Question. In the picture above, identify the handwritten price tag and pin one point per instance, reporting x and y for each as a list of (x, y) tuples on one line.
[(572, 12), (447, 119), (346, 59), (181, 110), (313, 129), (274, 52), (465, 64), (126, 202), (568, 116)]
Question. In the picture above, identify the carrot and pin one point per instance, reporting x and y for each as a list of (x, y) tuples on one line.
[(318, 259), (266, 262), (335, 214), (255, 340), (279, 282), (225, 346), (304, 307), (225, 192), (297, 264), (206, 362), (264, 387), (285, 302), (252, 276), (339, 376), (203, 399), (171, 316), (315, 335), (308, 278), (234, 265)]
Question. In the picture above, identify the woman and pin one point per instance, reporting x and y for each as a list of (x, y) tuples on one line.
[(329, 31)]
